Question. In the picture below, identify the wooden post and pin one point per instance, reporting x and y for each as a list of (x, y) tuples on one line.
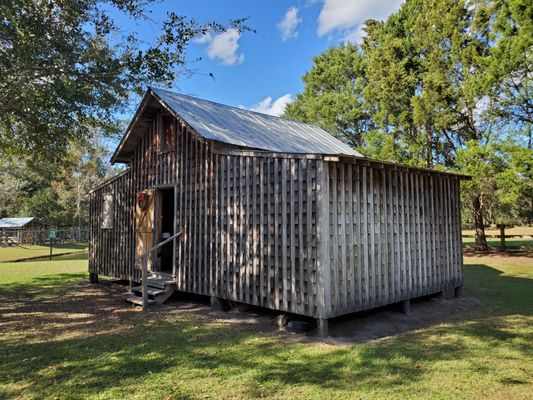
[(217, 304), (502, 237), (93, 278), (322, 324), (281, 321), (145, 282), (406, 307), (459, 291)]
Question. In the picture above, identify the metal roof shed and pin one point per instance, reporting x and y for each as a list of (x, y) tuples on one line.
[(20, 223)]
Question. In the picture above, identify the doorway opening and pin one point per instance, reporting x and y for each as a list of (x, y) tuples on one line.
[(165, 229)]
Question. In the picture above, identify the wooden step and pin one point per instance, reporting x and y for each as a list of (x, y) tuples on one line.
[(161, 275), (152, 291), (136, 300), (160, 283)]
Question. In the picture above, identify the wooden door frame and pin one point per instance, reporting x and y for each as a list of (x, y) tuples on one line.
[(158, 189)]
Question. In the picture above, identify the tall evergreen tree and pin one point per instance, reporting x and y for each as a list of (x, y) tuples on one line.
[(333, 94), (446, 82)]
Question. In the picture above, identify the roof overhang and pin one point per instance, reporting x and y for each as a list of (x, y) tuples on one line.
[(369, 162), (152, 102)]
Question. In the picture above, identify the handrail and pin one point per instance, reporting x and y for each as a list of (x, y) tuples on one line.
[(144, 257), (157, 246)]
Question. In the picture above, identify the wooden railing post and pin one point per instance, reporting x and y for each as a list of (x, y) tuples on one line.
[(144, 258), (145, 282)]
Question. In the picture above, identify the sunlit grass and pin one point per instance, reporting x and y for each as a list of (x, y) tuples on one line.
[(66, 345), (13, 253)]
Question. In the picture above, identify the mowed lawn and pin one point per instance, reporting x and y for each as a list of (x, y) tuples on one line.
[(13, 253), (62, 338)]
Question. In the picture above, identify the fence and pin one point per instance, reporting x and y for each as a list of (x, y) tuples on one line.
[(503, 246), (41, 236)]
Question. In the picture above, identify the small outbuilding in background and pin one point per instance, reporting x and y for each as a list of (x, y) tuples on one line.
[(21, 230)]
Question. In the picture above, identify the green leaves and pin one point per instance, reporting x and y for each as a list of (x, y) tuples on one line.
[(440, 83), (333, 95), (66, 68)]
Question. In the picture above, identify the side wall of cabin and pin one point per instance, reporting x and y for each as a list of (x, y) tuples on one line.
[(393, 235), (111, 248)]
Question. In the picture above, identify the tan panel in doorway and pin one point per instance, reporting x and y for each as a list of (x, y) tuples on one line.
[(144, 224)]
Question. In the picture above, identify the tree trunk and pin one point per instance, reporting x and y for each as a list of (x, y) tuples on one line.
[(429, 146), (481, 239)]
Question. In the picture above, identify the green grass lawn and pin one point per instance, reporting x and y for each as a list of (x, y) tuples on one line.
[(14, 253), (515, 230), (64, 339), (31, 273)]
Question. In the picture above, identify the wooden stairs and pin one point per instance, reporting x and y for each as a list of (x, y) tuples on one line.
[(159, 288)]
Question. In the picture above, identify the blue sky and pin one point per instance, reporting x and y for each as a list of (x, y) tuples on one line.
[(263, 70)]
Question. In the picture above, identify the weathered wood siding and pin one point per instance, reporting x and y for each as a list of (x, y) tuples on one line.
[(288, 232), (265, 246), (248, 222), (393, 235), (111, 250)]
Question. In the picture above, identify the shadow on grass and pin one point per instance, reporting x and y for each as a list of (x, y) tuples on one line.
[(496, 289), (112, 350)]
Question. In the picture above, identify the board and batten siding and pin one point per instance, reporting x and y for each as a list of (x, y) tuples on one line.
[(249, 228), (111, 249), (248, 222), (293, 233), (265, 249), (393, 235)]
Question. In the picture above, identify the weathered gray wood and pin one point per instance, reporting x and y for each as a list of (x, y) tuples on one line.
[(309, 267), (322, 326), (406, 307), (145, 283), (296, 234), (293, 236)]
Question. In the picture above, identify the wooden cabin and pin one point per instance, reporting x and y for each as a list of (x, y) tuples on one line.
[(272, 213)]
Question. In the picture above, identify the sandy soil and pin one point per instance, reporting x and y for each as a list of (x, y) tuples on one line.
[(100, 308)]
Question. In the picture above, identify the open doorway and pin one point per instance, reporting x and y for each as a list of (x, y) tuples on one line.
[(165, 229)]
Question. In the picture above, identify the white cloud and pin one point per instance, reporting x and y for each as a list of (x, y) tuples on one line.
[(202, 38), (273, 107), (348, 16), (355, 35), (288, 24), (223, 47)]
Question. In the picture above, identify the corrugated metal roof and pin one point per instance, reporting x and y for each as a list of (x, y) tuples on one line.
[(13, 223), (252, 129)]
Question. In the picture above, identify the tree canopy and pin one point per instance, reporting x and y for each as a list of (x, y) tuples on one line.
[(440, 83), (66, 68), (66, 71)]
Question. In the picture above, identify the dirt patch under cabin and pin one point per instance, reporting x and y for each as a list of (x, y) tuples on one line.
[(85, 309)]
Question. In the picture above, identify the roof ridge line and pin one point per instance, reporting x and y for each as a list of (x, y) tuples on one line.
[(238, 108)]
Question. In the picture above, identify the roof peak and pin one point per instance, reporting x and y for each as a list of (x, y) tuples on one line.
[(237, 127)]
